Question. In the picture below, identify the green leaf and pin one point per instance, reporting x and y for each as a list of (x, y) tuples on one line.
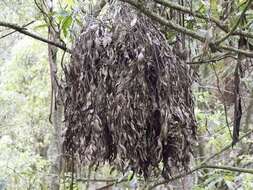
[(66, 25), (70, 2), (41, 26), (214, 7), (130, 176)]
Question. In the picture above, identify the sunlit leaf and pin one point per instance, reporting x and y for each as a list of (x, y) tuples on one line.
[(214, 7), (66, 25)]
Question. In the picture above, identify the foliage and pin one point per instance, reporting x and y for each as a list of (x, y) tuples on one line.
[(25, 91), (24, 127), (117, 90)]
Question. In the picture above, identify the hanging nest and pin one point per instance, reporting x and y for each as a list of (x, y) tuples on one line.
[(128, 98)]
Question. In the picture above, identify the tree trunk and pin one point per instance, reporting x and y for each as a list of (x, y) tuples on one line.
[(55, 150)]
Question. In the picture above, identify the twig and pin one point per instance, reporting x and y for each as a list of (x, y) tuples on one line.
[(244, 52), (223, 100), (229, 168), (213, 60), (226, 148), (16, 31), (103, 180), (88, 181), (203, 165), (164, 21), (242, 33), (45, 15), (181, 29), (186, 10), (249, 112), (236, 24), (20, 29), (175, 177), (97, 180), (114, 183)]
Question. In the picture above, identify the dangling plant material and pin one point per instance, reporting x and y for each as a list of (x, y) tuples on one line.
[(128, 98)]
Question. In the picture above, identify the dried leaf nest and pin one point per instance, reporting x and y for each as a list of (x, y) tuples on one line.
[(128, 98)]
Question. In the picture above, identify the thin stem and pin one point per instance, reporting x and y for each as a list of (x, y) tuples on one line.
[(228, 168), (223, 100), (203, 165), (188, 11), (16, 31), (236, 24), (139, 6), (213, 60), (22, 30), (164, 21)]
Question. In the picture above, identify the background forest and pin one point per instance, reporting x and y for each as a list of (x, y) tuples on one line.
[(214, 37)]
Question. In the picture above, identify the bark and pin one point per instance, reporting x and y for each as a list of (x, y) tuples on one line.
[(55, 150), (164, 22), (23, 30)]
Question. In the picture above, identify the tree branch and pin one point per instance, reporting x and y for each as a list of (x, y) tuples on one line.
[(24, 31), (212, 60), (229, 168), (226, 147), (203, 165), (164, 21), (223, 100), (16, 31), (111, 184), (244, 52), (236, 24), (97, 180), (139, 6), (45, 15), (242, 33), (188, 11)]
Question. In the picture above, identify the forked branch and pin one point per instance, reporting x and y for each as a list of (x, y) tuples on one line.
[(24, 31)]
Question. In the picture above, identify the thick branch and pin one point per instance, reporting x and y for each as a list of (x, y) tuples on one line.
[(164, 21), (181, 29), (236, 24), (188, 11), (25, 32)]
